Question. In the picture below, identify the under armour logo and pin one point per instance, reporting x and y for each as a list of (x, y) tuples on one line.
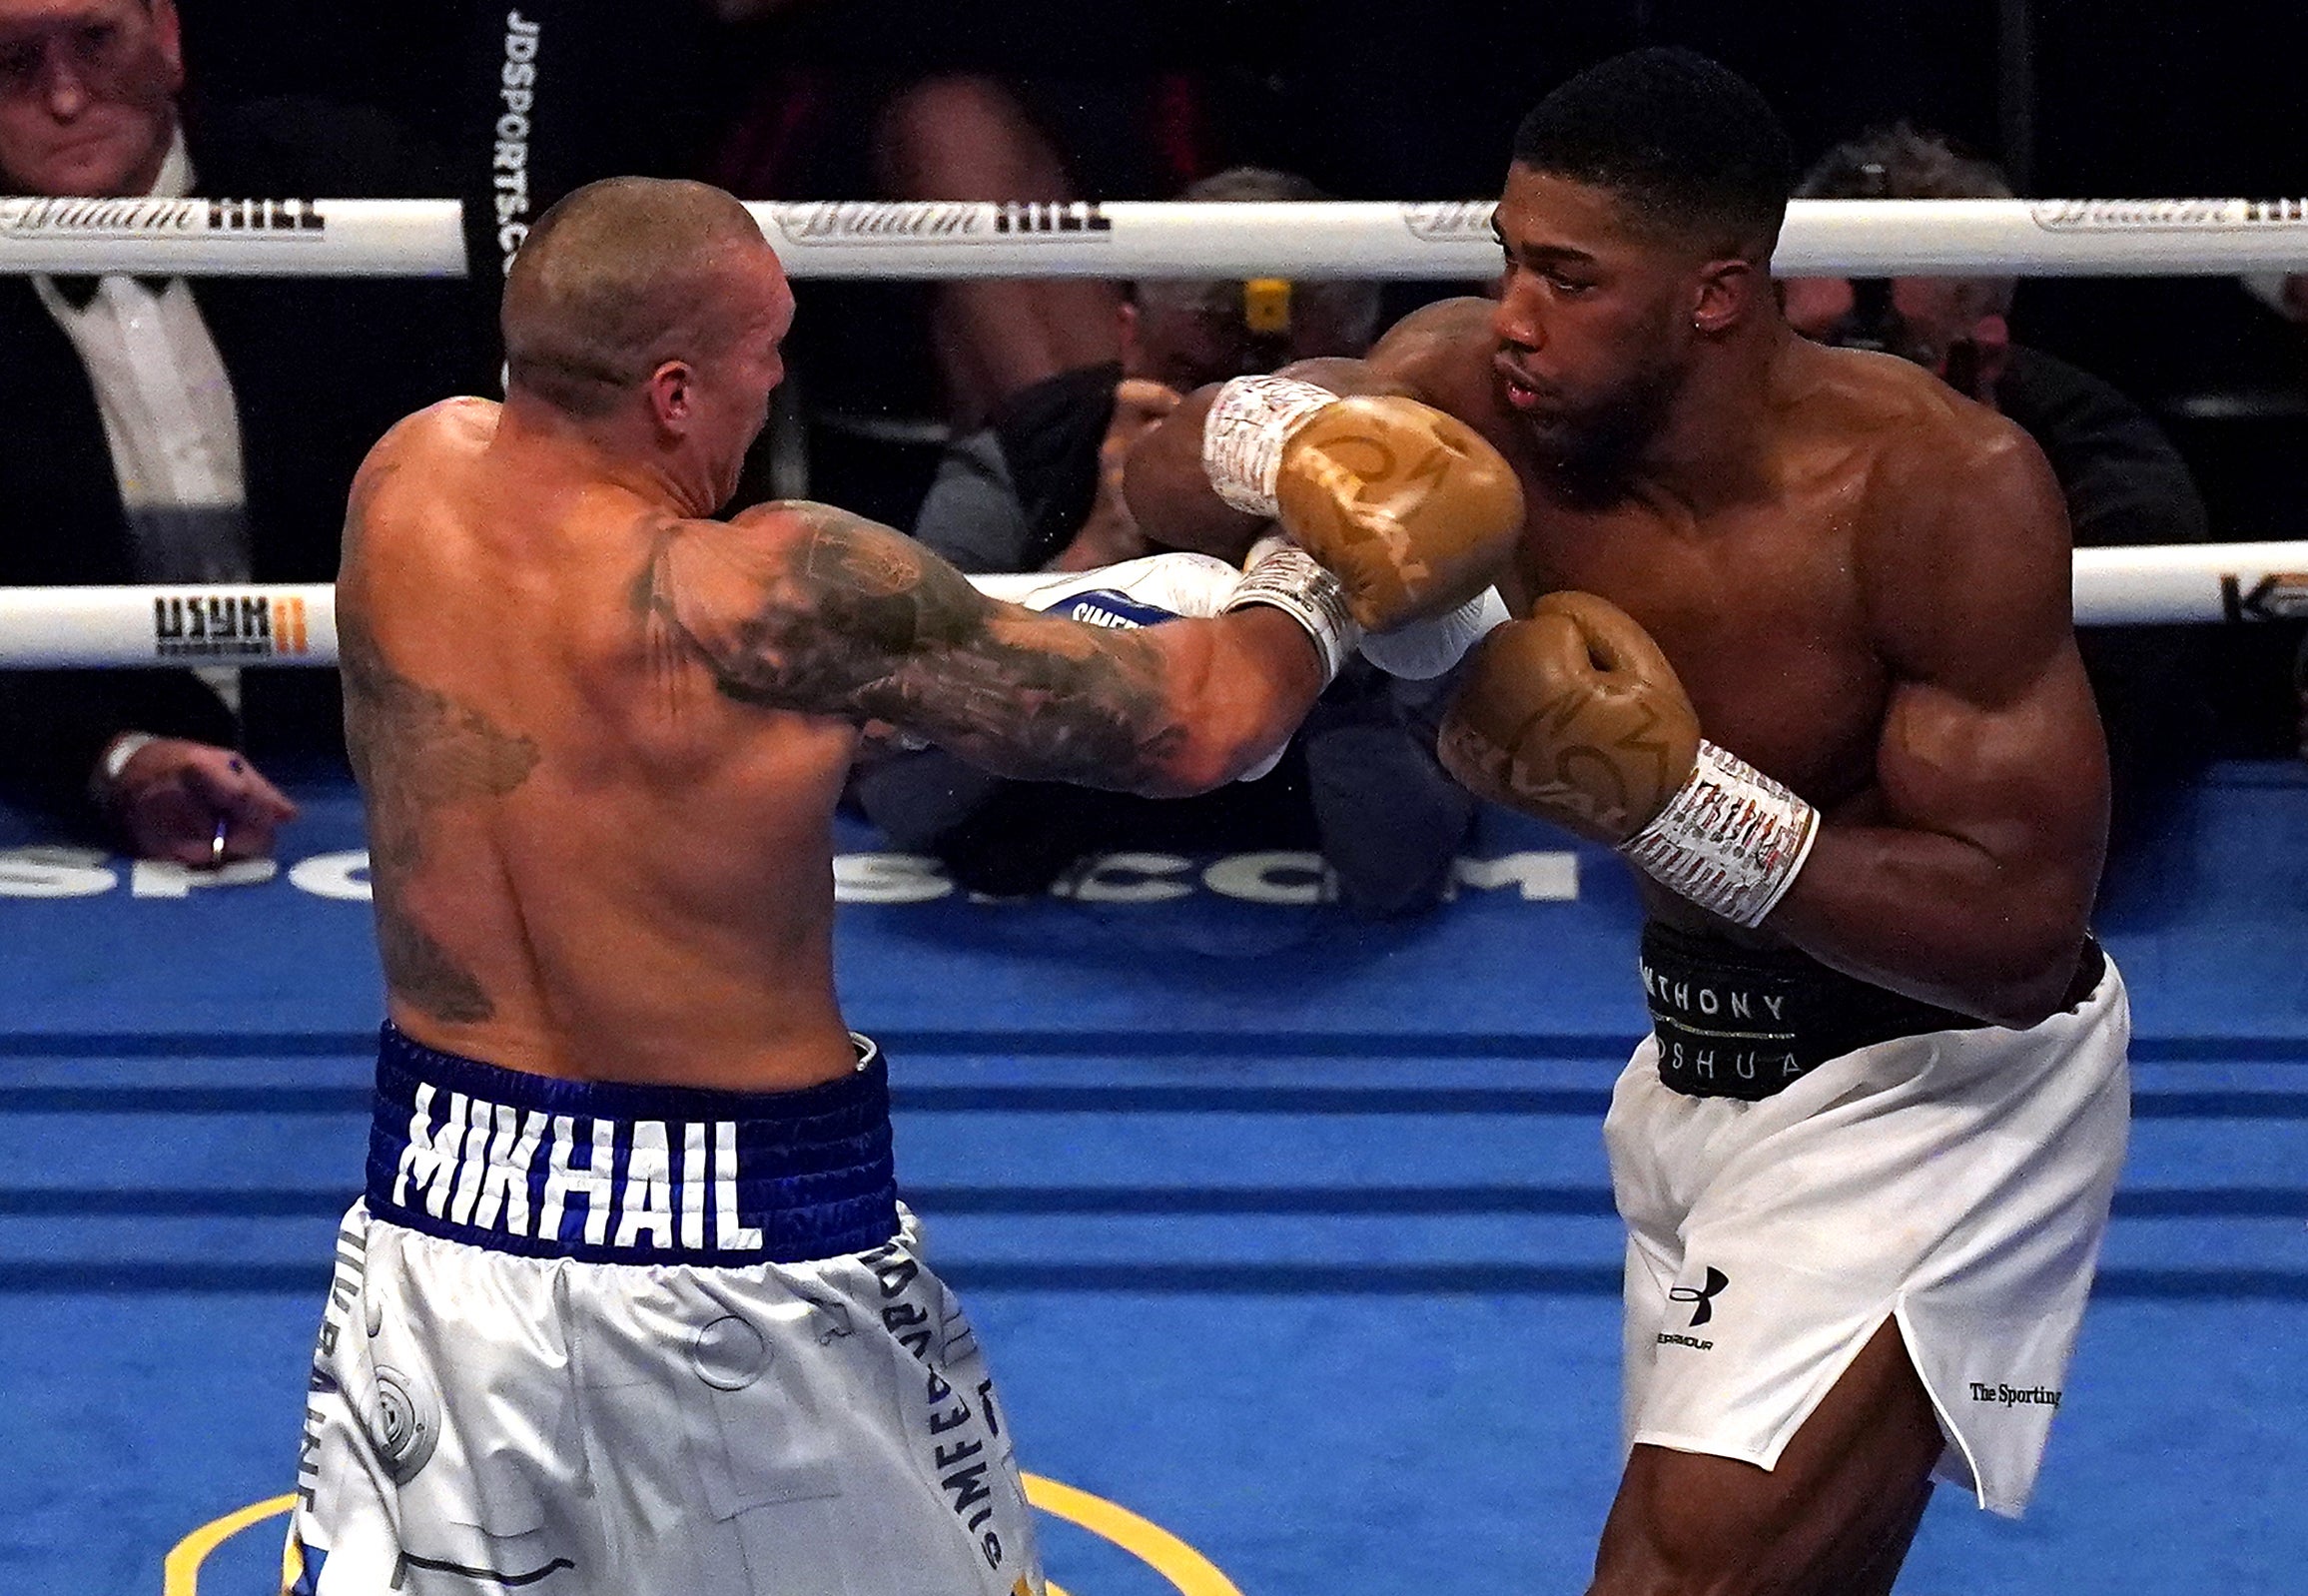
[(1703, 1295)]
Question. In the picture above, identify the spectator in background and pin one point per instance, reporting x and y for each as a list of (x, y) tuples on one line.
[(810, 100), (788, 99), (924, 100), (155, 431), (2124, 483), (929, 100), (1041, 488)]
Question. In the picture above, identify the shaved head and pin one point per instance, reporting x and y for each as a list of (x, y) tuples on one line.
[(622, 276)]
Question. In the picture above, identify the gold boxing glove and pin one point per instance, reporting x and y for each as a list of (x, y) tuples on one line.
[(1574, 715), (1411, 508)]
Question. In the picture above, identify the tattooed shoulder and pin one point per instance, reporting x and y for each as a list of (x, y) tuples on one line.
[(810, 609), (801, 606)]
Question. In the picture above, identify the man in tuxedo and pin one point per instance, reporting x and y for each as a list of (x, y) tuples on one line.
[(159, 430)]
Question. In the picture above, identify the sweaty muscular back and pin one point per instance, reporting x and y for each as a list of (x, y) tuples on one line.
[(588, 861)]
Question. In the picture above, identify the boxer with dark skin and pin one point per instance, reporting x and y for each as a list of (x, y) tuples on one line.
[(1862, 582)]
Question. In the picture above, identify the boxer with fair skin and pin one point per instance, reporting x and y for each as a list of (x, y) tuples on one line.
[(1822, 560), (601, 735)]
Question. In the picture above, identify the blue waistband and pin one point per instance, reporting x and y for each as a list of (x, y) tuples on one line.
[(605, 1172)]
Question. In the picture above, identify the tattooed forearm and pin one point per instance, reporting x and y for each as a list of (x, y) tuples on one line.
[(835, 615), (416, 750)]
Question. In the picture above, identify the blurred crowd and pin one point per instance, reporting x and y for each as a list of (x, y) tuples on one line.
[(188, 432)]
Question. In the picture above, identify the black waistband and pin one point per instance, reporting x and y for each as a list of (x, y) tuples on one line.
[(613, 1174), (1744, 1023)]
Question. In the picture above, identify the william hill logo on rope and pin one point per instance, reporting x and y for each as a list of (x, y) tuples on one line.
[(146, 218), (228, 625), (1449, 220), (2165, 216), (938, 221)]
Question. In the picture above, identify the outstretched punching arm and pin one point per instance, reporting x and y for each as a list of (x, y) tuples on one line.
[(808, 608)]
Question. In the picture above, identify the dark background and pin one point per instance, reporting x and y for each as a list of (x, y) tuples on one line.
[(2076, 98), (2105, 98)]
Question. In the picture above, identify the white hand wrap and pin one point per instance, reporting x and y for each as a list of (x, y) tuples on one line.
[(1243, 438), (1286, 577), (1731, 839), (1424, 650)]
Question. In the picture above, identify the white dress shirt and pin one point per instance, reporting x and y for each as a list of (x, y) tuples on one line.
[(169, 420)]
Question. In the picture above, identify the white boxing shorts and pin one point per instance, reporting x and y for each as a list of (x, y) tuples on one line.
[(1780, 1207), (602, 1340)]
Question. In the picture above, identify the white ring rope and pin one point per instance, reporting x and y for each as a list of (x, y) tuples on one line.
[(967, 239), (286, 624)]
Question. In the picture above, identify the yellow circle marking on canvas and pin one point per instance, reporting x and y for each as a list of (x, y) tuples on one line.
[(1187, 1570), (180, 1570)]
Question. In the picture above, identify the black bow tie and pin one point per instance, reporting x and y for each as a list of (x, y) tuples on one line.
[(78, 291)]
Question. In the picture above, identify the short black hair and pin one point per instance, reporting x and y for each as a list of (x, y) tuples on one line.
[(1688, 143)]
